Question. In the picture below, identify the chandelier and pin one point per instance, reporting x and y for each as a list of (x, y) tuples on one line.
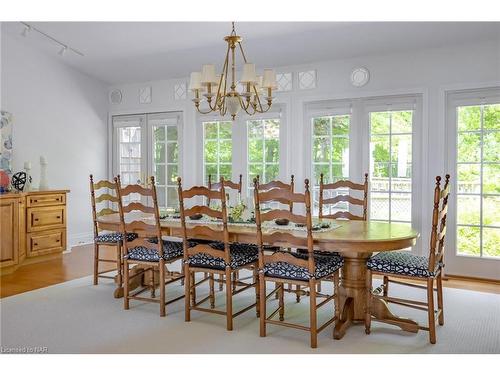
[(220, 90)]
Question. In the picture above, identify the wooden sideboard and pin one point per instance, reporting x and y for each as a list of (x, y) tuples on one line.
[(32, 227)]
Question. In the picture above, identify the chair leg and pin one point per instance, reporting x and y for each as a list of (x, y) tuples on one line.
[(386, 286), (229, 300), (211, 283), (236, 276), (182, 273), (368, 303), (162, 287), (257, 290), (430, 301), (221, 282), (119, 266), (277, 294), (297, 293), (96, 263), (318, 286), (336, 278), (281, 294), (192, 282), (152, 288), (262, 301), (187, 293), (312, 313), (125, 285), (439, 282)]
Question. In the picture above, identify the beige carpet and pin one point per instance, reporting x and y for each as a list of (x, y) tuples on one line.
[(76, 317)]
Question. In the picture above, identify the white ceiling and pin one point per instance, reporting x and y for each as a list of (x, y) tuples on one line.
[(121, 52)]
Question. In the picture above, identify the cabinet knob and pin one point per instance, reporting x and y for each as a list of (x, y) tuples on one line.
[(58, 217), (36, 219), (35, 244)]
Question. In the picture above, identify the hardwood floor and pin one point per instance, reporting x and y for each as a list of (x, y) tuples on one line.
[(79, 262)]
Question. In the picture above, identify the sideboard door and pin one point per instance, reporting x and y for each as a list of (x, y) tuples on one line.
[(9, 232)]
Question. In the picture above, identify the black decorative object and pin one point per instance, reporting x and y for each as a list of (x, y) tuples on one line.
[(19, 180)]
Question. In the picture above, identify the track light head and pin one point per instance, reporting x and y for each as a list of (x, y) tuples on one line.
[(26, 31), (62, 52)]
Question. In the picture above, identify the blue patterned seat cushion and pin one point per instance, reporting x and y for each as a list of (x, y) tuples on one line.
[(325, 265), (401, 263), (114, 237), (241, 255), (171, 250)]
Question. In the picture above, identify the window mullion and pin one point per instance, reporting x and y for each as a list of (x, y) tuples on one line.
[(481, 185)]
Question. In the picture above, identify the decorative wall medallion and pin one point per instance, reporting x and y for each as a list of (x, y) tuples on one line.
[(180, 91), (360, 77), (115, 96), (307, 80), (284, 81), (145, 95)]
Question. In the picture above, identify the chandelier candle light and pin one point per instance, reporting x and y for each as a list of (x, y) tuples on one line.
[(221, 98)]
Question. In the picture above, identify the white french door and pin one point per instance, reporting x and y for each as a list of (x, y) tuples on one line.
[(149, 145), (473, 123)]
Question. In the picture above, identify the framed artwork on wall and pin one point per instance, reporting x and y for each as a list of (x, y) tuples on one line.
[(6, 142)]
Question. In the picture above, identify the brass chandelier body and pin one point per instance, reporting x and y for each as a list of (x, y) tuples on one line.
[(223, 99)]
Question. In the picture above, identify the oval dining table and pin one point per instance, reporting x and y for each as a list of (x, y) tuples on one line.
[(355, 240)]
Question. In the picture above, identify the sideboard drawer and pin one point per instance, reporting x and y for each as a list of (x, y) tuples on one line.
[(41, 200), (46, 242), (43, 218)]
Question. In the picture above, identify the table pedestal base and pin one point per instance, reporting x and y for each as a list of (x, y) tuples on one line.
[(352, 293)]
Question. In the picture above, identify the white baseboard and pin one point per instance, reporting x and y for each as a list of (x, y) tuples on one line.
[(79, 239)]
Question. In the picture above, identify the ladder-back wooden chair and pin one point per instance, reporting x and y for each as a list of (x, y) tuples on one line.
[(103, 195), (216, 186), (280, 267), (216, 257), (404, 265), (277, 184), (227, 184), (148, 251), (343, 184)]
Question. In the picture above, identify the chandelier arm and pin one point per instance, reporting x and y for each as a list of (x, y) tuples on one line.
[(262, 110), (204, 112), (242, 53), (224, 68)]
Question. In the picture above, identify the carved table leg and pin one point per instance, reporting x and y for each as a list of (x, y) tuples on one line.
[(353, 298)]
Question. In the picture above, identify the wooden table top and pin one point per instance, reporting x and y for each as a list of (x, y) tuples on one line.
[(351, 236)]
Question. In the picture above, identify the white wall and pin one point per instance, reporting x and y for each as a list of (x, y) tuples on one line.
[(59, 113), (428, 73)]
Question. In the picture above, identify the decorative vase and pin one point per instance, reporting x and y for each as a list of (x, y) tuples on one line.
[(44, 182), (27, 168)]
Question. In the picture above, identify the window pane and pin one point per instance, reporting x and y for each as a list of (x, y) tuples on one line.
[(272, 150), (172, 174), (272, 172), (272, 129), (172, 197), (468, 179), (380, 148), (321, 168), (211, 151), (468, 241), (491, 211), (255, 150), (159, 133), (159, 153), (255, 129), (491, 240), (172, 133), (402, 121), (379, 206), (172, 152), (225, 171), (210, 169), (401, 153), (469, 118), (401, 206), (254, 170), (160, 174), (340, 151), (340, 125), (491, 146), (321, 126), (379, 122), (491, 116), (469, 147), (491, 179), (468, 209), (160, 193), (210, 130), (225, 151), (225, 131), (321, 150)]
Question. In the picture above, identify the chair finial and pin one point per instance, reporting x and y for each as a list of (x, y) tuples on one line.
[(306, 182)]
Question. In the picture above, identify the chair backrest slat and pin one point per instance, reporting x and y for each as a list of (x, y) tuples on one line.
[(439, 215), (201, 230), (104, 198), (227, 184), (144, 230), (281, 187), (343, 184), (279, 237)]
